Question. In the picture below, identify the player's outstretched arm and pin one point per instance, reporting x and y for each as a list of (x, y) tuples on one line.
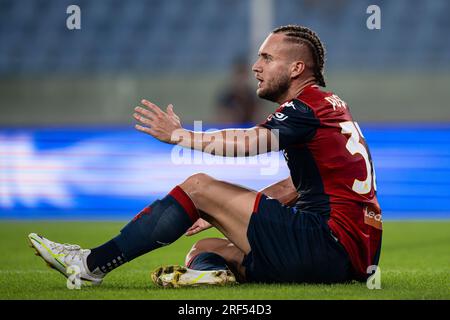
[(156, 122), (166, 127)]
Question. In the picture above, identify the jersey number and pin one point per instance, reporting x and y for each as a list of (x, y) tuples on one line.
[(354, 146)]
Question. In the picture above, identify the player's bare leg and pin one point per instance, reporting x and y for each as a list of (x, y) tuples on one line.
[(165, 220), (227, 206)]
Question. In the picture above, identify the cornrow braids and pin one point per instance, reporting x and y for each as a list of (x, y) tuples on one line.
[(300, 34)]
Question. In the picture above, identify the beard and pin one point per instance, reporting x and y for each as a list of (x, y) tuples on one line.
[(276, 89)]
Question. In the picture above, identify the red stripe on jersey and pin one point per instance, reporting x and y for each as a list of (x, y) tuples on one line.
[(355, 216)]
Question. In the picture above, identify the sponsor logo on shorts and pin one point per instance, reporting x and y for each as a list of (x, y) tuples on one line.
[(373, 218)]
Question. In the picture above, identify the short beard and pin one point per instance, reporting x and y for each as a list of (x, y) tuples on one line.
[(277, 90)]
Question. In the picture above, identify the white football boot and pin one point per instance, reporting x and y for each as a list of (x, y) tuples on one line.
[(178, 276), (63, 256)]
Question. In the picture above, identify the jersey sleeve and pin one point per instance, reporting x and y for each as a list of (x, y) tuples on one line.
[(294, 122)]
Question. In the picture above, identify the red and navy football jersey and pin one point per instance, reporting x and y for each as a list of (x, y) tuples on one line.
[(331, 167)]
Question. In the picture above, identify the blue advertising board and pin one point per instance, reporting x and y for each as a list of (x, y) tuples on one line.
[(111, 173)]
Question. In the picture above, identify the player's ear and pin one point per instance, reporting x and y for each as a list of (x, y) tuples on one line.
[(297, 68)]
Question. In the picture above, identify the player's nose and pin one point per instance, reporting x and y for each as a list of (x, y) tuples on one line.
[(256, 67), (257, 70)]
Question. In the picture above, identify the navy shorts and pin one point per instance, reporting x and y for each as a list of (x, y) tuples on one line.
[(292, 246)]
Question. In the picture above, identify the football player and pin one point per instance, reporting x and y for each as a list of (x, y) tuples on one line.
[(322, 224)]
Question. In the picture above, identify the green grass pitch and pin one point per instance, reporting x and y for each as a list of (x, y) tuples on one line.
[(415, 264)]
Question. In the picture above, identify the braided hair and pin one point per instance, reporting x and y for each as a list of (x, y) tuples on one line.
[(304, 35)]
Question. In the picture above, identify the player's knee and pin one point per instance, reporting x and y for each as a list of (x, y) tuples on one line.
[(196, 182), (200, 178)]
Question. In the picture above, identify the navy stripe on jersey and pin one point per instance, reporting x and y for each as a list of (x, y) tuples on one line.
[(297, 124), (295, 121), (308, 181)]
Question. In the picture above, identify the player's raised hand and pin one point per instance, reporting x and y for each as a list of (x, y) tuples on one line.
[(198, 226), (156, 122)]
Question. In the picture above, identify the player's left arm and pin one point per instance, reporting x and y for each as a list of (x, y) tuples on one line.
[(166, 127)]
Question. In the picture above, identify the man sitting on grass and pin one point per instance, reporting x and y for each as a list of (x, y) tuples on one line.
[(320, 225)]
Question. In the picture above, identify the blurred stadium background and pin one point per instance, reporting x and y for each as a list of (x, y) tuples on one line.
[(68, 149)]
